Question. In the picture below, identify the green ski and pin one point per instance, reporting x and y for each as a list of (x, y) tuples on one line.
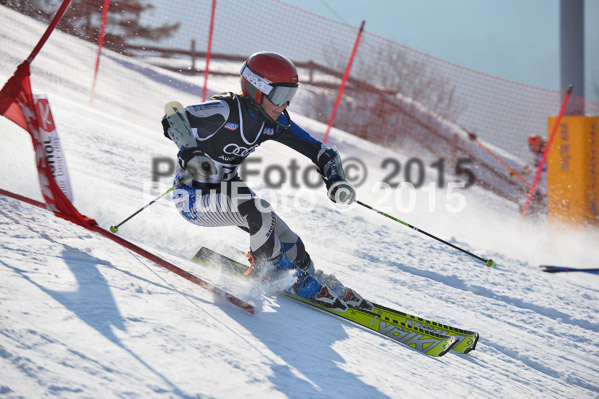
[(426, 336)]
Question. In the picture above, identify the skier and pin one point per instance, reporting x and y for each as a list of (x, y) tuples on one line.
[(229, 127), (538, 204), (537, 146)]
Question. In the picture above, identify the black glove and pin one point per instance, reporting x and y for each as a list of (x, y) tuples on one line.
[(339, 190), (196, 162)]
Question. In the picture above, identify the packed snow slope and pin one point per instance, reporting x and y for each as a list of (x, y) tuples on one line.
[(81, 316)]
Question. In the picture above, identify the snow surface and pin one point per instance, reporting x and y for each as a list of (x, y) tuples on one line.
[(81, 316)]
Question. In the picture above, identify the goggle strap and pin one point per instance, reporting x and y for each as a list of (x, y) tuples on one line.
[(257, 81)]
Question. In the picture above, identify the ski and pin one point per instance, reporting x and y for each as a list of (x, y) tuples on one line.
[(466, 340), (423, 335), (558, 269)]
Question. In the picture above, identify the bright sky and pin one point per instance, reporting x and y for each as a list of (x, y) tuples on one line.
[(512, 39)]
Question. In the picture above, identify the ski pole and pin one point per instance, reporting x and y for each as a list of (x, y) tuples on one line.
[(115, 228), (488, 262)]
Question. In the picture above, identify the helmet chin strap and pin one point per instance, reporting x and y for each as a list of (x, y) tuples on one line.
[(288, 125)]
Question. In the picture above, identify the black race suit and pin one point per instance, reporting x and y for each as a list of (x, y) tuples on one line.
[(227, 129)]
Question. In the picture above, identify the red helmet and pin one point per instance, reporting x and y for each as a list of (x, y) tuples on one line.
[(535, 139), (270, 74)]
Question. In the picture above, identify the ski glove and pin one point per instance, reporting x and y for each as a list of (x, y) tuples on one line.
[(339, 190), (196, 163)]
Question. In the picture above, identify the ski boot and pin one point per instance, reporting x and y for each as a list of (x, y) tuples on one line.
[(327, 299), (306, 286), (347, 295), (310, 288)]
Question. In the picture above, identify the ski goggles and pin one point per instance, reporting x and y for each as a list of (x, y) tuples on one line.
[(278, 93)]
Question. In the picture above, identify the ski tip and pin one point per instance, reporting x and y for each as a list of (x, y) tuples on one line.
[(473, 346)]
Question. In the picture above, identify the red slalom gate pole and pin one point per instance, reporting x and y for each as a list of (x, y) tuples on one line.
[(546, 153), (343, 82), (100, 44), (49, 29), (208, 52)]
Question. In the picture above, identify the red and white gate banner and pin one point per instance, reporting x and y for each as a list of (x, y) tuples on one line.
[(51, 145)]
